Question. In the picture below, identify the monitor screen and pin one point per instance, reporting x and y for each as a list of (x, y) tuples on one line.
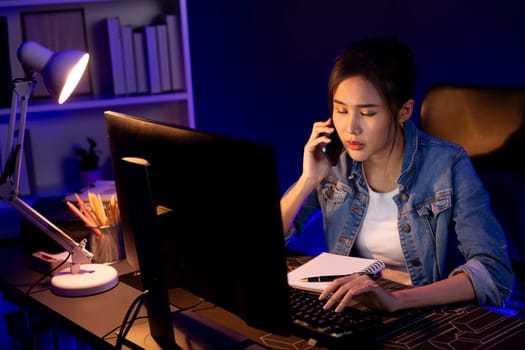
[(220, 232)]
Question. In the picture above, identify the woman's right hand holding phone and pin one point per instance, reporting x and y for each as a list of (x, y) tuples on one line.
[(315, 163), (315, 167)]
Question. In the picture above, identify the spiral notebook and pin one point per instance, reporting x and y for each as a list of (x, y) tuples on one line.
[(331, 264)]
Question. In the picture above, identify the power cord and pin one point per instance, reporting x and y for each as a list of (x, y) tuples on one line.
[(127, 322), (48, 274), (28, 292)]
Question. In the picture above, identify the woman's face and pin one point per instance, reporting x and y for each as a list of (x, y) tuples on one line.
[(362, 119)]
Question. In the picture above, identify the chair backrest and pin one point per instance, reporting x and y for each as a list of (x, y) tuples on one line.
[(490, 124)]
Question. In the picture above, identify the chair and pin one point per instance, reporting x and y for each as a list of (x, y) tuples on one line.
[(489, 122)]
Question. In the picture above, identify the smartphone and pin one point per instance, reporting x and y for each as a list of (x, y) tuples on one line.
[(333, 149)]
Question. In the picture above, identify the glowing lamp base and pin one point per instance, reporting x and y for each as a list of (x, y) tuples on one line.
[(91, 279)]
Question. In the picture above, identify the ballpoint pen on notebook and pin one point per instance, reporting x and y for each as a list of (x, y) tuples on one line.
[(330, 278), (316, 273)]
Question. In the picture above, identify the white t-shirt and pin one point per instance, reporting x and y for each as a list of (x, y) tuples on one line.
[(379, 236)]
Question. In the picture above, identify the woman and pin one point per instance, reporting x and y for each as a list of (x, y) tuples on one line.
[(396, 194)]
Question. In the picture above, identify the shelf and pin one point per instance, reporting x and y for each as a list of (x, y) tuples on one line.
[(90, 103), (136, 13), (22, 3), (56, 129)]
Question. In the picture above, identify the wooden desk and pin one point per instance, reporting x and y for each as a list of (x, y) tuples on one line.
[(92, 318)]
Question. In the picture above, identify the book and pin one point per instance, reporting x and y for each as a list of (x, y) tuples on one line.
[(152, 58), (164, 58), (331, 264), (141, 68), (115, 54), (128, 57), (5, 78), (57, 30), (175, 51)]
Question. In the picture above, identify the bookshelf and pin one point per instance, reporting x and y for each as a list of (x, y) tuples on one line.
[(56, 130), (135, 13)]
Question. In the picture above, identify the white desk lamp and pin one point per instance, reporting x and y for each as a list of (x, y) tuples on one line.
[(61, 72)]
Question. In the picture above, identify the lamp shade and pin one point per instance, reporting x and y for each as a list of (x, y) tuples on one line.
[(61, 70)]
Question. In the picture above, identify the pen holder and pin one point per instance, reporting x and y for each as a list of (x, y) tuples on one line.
[(106, 243)]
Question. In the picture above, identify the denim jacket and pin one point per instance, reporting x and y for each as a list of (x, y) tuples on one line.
[(445, 221)]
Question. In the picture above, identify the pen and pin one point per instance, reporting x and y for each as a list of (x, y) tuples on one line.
[(330, 278)]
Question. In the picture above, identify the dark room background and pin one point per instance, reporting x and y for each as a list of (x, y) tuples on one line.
[(260, 67)]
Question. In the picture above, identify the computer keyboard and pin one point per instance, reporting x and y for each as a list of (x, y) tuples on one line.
[(327, 326), (351, 326)]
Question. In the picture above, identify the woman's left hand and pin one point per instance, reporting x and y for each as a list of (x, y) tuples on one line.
[(361, 288)]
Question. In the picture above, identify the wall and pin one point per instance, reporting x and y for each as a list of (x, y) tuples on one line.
[(260, 67)]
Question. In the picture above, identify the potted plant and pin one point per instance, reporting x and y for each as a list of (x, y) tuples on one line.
[(89, 163)]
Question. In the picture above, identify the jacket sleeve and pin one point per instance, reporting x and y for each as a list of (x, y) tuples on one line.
[(481, 238), (308, 211)]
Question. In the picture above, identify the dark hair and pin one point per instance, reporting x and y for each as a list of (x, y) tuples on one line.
[(385, 62)]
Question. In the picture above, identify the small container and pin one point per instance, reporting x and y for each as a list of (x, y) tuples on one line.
[(106, 243)]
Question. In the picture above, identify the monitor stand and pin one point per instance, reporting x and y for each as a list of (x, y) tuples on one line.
[(191, 332)]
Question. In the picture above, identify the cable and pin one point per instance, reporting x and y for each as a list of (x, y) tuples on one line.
[(106, 336), (48, 274), (127, 323), (180, 309), (28, 292), (211, 306)]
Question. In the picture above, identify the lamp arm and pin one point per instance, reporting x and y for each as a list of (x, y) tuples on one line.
[(79, 254), (10, 179), (22, 89)]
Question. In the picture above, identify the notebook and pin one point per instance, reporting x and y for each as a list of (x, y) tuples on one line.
[(326, 264)]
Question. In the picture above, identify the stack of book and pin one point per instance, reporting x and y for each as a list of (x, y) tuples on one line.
[(148, 59)]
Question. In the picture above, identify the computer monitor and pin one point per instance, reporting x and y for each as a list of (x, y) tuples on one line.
[(220, 236)]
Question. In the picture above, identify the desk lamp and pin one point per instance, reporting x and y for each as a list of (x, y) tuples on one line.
[(61, 71)]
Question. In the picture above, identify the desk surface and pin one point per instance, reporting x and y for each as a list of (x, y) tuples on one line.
[(92, 318)]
